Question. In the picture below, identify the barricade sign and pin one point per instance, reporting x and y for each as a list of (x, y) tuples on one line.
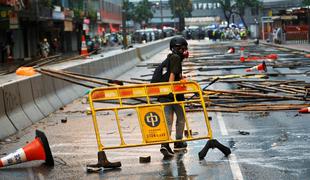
[(150, 113), (153, 124)]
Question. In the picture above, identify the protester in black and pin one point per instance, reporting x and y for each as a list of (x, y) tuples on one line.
[(173, 65)]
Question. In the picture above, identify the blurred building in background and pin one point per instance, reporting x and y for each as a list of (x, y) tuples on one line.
[(25, 23)]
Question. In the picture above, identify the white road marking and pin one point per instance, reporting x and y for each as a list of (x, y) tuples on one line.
[(233, 162), (234, 166), (221, 124)]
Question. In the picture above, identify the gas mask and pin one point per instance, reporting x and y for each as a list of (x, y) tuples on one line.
[(185, 54), (182, 52)]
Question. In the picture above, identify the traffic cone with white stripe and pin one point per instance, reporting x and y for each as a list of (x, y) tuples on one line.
[(242, 58), (304, 110), (38, 149), (84, 51), (260, 67), (231, 50), (272, 56)]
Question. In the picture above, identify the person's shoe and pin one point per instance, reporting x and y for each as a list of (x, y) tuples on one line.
[(178, 146), (166, 150)]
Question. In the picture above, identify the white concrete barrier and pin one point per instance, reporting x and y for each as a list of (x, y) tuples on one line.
[(147, 51), (13, 106), (78, 89), (30, 99), (50, 92), (27, 101), (40, 96), (6, 126), (64, 91)]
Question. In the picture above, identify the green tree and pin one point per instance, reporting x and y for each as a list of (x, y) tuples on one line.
[(129, 9), (227, 9), (77, 7), (142, 12), (240, 5), (306, 2), (181, 9), (46, 3)]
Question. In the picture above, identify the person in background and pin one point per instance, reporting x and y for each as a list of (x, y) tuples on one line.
[(45, 48), (55, 46), (279, 35)]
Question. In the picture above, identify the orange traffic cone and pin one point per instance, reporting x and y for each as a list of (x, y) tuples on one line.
[(231, 50), (38, 149), (307, 55), (84, 51), (304, 110), (260, 67), (25, 71), (242, 58), (272, 56)]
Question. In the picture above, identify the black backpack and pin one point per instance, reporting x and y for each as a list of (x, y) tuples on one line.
[(158, 75)]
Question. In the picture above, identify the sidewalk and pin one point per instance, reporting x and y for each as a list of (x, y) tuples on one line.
[(295, 47)]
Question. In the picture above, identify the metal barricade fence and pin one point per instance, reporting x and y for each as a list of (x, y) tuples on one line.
[(150, 114), (296, 37)]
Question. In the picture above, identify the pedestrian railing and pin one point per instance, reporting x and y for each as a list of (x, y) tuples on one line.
[(296, 37), (150, 114)]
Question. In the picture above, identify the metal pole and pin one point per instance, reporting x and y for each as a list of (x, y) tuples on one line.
[(308, 13), (174, 14), (124, 27), (161, 14), (263, 30)]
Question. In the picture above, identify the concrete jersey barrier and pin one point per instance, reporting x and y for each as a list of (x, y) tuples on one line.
[(6, 126), (28, 100)]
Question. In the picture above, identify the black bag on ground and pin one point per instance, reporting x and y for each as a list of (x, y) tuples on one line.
[(159, 74)]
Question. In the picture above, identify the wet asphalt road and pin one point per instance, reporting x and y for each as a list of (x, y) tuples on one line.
[(275, 145)]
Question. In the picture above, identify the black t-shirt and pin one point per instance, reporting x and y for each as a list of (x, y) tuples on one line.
[(175, 66)]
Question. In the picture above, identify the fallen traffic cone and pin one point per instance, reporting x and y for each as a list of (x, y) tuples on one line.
[(242, 58), (272, 56), (304, 110), (260, 67), (231, 50), (25, 71), (38, 149), (84, 51)]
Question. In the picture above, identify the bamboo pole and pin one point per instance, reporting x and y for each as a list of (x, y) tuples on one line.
[(103, 78), (63, 78), (256, 94), (78, 77), (269, 87), (255, 87)]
